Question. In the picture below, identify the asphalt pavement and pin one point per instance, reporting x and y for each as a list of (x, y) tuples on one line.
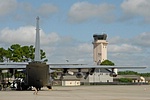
[(101, 92)]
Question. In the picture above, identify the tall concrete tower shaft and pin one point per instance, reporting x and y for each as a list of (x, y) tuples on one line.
[(99, 48), (37, 41)]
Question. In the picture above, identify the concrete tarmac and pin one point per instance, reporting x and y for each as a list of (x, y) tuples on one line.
[(101, 92)]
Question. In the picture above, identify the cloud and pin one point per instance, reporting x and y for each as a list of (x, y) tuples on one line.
[(124, 48), (55, 46), (73, 51), (26, 7), (117, 40), (7, 6), (44, 10), (20, 35), (83, 11), (136, 8), (142, 39), (130, 51), (25, 35), (47, 9), (25, 10), (84, 47), (49, 38)]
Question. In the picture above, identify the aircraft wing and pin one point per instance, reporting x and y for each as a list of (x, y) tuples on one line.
[(13, 65), (92, 66), (17, 65), (67, 65), (90, 69)]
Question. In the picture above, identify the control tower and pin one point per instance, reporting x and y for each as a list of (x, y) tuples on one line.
[(99, 48)]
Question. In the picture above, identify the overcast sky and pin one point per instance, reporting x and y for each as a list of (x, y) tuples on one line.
[(67, 28)]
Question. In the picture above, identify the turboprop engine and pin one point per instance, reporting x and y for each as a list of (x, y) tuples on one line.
[(79, 75), (114, 72)]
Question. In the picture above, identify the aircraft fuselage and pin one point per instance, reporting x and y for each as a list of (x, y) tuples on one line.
[(37, 74)]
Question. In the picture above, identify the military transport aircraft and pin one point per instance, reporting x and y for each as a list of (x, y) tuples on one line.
[(38, 72)]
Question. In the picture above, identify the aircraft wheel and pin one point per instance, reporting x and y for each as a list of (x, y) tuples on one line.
[(49, 87), (0, 87)]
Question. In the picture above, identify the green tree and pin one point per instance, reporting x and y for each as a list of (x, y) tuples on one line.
[(125, 80), (26, 53), (145, 74), (107, 62), (8, 55), (2, 54), (18, 53), (127, 73), (43, 55), (133, 73), (31, 52)]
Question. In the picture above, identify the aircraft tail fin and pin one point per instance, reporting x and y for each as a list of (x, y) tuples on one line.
[(37, 41)]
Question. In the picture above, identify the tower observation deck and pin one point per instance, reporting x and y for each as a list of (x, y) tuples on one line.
[(99, 48)]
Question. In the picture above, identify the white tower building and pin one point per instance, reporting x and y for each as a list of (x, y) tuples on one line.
[(99, 55), (99, 48)]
